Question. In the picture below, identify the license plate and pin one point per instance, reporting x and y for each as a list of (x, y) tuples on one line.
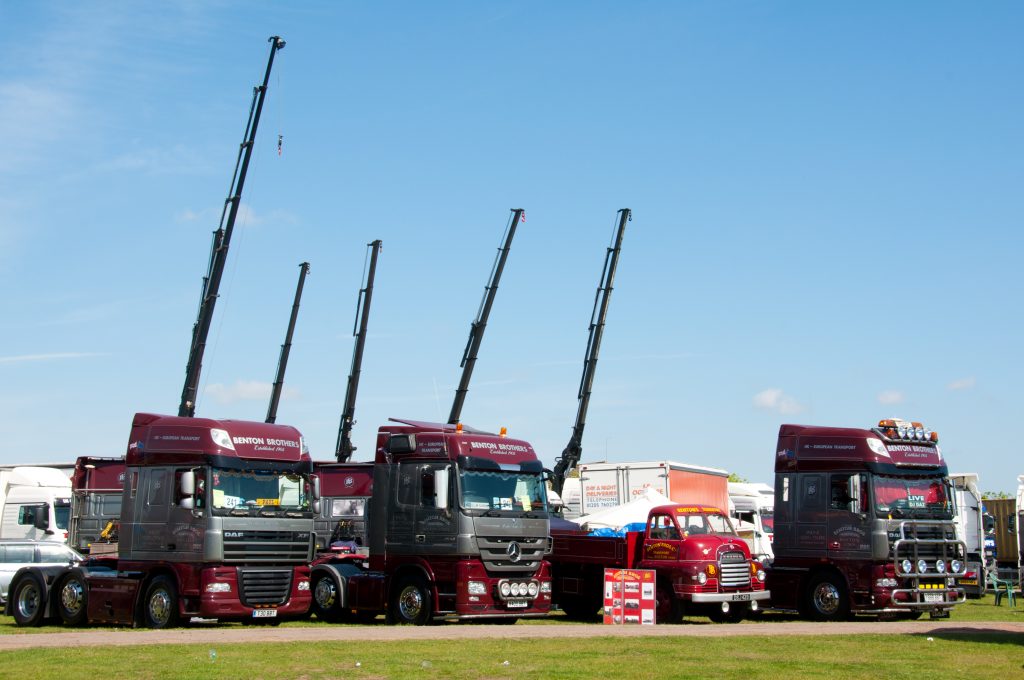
[(741, 597), (934, 597), (264, 613), (968, 582), (518, 604)]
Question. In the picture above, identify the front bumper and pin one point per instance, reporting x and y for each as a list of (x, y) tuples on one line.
[(731, 597)]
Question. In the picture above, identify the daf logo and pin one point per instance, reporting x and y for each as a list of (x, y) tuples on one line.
[(349, 482), (234, 534), (514, 552)]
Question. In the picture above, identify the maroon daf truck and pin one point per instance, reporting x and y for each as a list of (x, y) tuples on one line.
[(456, 527), (864, 523), (216, 522), (703, 566)]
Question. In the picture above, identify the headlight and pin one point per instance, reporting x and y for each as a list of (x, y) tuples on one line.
[(477, 588), (303, 585), (906, 566), (957, 566), (505, 588), (922, 566), (940, 566), (761, 575), (902, 431), (534, 589), (702, 578), (219, 587)]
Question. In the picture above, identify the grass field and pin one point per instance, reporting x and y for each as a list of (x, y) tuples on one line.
[(876, 656)]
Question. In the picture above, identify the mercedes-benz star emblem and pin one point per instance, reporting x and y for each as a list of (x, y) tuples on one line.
[(514, 552)]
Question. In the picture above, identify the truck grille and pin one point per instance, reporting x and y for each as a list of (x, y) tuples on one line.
[(929, 540), (497, 554), (264, 586), (734, 568), (274, 547)]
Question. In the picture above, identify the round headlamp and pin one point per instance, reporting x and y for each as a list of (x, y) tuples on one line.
[(957, 566), (702, 578), (761, 576), (922, 566), (506, 589), (902, 431), (919, 433), (534, 589), (940, 566), (906, 566)]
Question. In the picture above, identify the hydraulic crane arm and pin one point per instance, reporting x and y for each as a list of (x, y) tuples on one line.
[(344, 448), (221, 241), (282, 364), (476, 329), (574, 449)]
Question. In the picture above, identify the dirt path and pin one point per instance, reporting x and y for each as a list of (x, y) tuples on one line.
[(380, 632)]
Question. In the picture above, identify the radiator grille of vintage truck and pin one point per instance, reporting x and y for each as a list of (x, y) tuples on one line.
[(251, 546), (735, 570), (511, 555), (262, 586)]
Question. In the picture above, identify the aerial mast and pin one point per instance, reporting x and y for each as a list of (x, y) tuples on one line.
[(574, 449), (476, 329), (286, 348), (221, 241), (344, 448)]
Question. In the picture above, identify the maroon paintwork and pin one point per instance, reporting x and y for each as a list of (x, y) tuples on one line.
[(808, 447), (345, 479), (441, 440), (172, 440), (98, 474)]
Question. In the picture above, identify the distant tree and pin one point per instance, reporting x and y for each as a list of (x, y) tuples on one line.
[(994, 495), (733, 477)]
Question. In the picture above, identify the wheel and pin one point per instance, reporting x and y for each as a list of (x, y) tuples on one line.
[(29, 600), (411, 603), (669, 608), (160, 606), (827, 599), (72, 598), (326, 600)]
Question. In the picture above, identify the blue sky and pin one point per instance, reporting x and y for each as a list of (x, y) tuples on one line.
[(826, 200)]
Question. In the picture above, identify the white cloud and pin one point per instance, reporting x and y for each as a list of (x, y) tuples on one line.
[(890, 397), (47, 357), (774, 399), (961, 384), (245, 390), (247, 217)]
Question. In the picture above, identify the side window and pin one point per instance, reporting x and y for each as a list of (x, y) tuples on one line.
[(782, 495), (52, 553), (811, 493), (27, 514), (662, 527), (158, 493), (135, 483), (19, 554), (839, 494)]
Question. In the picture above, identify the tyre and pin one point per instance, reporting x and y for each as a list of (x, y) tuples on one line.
[(160, 606), (669, 608), (72, 598), (411, 602), (28, 600), (326, 598), (827, 598)]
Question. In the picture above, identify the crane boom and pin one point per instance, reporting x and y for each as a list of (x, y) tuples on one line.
[(221, 240), (344, 448), (476, 329), (574, 449), (282, 363)]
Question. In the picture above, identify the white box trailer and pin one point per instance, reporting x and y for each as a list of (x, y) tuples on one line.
[(971, 529), (35, 503), (753, 505), (607, 485)]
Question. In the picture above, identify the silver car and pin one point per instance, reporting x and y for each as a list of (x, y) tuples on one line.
[(17, 554)]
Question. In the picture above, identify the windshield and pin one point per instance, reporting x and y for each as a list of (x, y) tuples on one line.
[(705, 523), (487, 490), (912, 497), (257, 492), (62, 513)]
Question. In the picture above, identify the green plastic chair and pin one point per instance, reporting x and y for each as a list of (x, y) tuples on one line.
[(1004, 588)]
